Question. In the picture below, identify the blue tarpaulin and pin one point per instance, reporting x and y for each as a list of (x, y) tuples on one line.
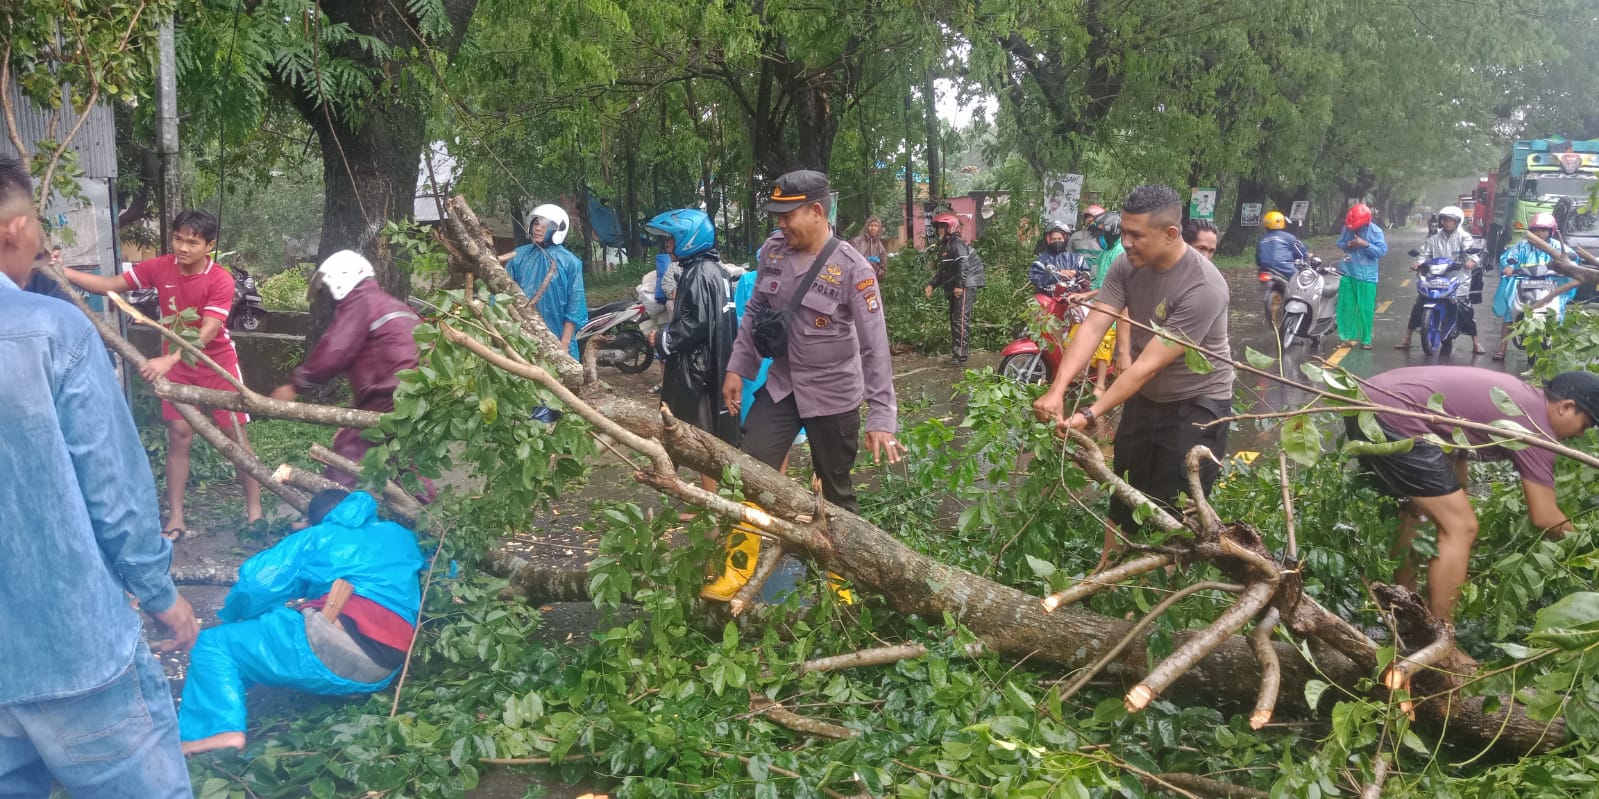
[(607, 228)]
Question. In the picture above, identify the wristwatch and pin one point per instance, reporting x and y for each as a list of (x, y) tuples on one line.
[(1088, 414)]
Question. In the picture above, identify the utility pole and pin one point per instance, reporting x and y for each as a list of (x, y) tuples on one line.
[(167, 132)]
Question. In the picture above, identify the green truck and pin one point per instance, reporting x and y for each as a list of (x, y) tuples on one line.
[(1553, 174)]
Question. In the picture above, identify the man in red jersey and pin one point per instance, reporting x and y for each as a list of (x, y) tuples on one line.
[(187, 279)]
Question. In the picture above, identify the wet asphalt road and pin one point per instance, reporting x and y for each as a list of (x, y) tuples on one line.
[(1396, 292)]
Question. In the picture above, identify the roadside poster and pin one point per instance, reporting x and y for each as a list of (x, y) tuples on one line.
[(1061, 193), (1202, 204), (1300, 211), (1251, 214)]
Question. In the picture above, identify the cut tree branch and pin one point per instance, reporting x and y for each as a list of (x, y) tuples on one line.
[(877, 656), (764, 706)]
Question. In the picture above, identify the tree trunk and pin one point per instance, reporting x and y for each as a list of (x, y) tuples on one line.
[(935, 183), (1238, 238)]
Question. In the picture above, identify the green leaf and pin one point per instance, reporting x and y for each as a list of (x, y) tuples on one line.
[(1357, 448), (1042, 569), (1511, 444), (1301, 440), (1196, 362), (1259, 360), (489, 408), (1571, 612), (1369, 426), (1436, 403), (1501, 400), (1313, 691)]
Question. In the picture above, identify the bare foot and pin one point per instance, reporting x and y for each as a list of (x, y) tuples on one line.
[(222, 740)]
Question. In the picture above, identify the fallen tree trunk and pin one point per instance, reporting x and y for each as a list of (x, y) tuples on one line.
[(1011, 623)]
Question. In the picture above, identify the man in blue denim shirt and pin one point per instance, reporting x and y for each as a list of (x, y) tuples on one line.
[(82, 700)]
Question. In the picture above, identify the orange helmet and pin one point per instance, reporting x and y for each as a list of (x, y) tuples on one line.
[(947, 219), (1358, 217), (1276, 221)]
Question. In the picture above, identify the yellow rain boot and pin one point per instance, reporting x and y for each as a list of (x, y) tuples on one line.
[(836, 582), (743, 550)]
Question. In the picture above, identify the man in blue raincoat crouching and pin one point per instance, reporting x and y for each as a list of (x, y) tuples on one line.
[(360, 574)]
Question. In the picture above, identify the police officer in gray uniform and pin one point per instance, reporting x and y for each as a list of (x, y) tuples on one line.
[(837, 346)]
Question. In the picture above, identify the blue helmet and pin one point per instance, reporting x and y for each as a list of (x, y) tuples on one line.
[(689, 228)]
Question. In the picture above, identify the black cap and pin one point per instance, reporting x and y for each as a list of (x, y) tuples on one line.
[(1579, 387), (795, 189)]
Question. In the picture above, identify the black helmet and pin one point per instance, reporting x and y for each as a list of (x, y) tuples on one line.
[(1107, 224), (1055, 224)]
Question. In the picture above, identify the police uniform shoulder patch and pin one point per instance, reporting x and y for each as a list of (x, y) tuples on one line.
[(866, 284), (872, 304), (822, 321), (835, 270)]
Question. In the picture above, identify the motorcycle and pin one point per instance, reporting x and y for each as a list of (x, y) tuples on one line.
[(1437, 283), (1273, 289), (1531, 289), (1027, 360), (1310, 302), (247, 312), (615, 329)]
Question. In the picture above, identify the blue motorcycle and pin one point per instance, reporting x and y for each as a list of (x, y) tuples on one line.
[(1437, 282)]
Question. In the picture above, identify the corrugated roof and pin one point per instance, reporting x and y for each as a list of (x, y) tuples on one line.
[(95, 143)]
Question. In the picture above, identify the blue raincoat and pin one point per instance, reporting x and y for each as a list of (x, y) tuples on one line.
[(264, 643), (564, 300), (1533, 260)]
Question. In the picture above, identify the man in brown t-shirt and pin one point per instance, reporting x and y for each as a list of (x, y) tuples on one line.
[(1434, 481), (1162, 282)]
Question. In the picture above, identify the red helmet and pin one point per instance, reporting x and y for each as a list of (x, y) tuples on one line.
[(1095, 210), (949, 219), (1543, 220), (1359, 216)]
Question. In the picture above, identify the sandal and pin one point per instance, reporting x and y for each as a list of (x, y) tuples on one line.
[(175, 534), (1365, 346), (1499, 356), (1478, 351), (1403, 345)]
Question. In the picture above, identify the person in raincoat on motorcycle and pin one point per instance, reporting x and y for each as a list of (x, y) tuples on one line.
[(1276, 253), (361, 575), (696, 344), (551, 275), (1524, 256), (1451, 241)]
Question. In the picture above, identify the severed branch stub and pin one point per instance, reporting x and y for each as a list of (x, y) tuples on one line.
[(876, 656), (1208, 517), (763, 705), (1094, 583), (766, 562), (1271, 670), (1257, 594), (1132, 634)]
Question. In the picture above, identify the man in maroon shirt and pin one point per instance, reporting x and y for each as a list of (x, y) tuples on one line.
[(1434, 480), (369, 340)]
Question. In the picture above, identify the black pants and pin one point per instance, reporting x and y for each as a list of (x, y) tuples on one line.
[(960, 321), (1152, 447), (769, 432), (1465, 316)]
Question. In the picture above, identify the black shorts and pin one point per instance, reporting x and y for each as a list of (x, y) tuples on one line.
[(1152, 444), (1424, 471)]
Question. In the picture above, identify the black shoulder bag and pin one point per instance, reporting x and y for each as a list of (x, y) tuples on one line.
[(770, 329)]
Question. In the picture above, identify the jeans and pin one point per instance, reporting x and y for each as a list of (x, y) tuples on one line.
[(118, 741)]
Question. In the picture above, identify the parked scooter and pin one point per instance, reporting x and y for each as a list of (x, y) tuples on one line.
[(615, 329), (248, 312), (1310, 302), (1028, 360), (1437, 282)]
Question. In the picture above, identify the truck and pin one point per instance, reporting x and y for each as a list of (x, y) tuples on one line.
[(1551, 174)]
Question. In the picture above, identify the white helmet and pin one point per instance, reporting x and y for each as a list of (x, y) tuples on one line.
[(558, 219), (342, 272), (1454, 211)]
